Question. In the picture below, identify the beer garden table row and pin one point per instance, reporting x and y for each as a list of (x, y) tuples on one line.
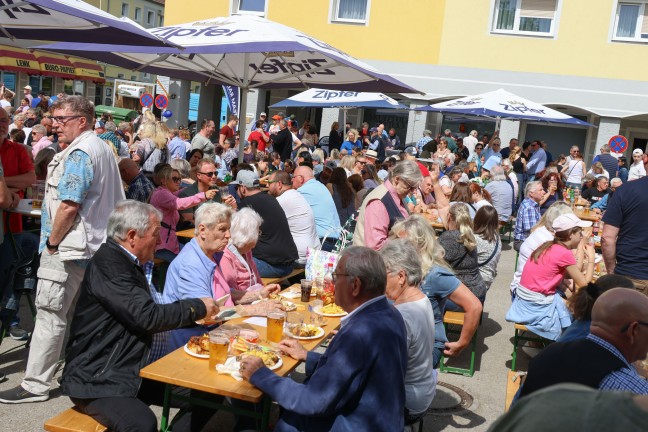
[(180, 369)]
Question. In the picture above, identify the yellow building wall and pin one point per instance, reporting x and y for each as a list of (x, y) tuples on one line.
[(582, 46), (402, 31)]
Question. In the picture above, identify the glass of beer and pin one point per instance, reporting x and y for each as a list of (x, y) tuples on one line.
[(218, 348), (276, 322)]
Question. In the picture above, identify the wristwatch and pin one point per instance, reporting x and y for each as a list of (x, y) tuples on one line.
[(51, 246)]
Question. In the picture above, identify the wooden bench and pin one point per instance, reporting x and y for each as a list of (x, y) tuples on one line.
[(457, 319), (72, 420), (295, 272), (513, 384), (523, 334)]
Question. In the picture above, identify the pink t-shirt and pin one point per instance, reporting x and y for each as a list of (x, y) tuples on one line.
[(545, 275)]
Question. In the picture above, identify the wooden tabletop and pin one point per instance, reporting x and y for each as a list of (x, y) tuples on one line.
[(591, 216), (188, 233), (181, 369)]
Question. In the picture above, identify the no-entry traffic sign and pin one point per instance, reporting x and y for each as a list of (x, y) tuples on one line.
[(618, 143)]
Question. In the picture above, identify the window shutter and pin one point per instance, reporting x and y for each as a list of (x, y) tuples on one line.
[(644, 23), (538, 9)]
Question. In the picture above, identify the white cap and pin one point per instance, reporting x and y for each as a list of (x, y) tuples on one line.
[(263, 114), (569, 221), (637, 152)]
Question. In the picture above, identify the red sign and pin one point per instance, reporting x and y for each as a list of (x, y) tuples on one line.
[(146, 100), (161, 101), (618, 143)]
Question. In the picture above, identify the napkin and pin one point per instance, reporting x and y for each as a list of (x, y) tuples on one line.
[(231, 367), (291, 294)]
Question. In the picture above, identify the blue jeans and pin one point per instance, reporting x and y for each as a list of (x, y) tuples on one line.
[(27, 242), (271, 270)]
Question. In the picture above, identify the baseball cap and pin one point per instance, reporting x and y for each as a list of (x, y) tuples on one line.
[(276, 117), (411, 150), (99, 124), (330, 164), (637, 152), (27, 87), (569, 221), (263, 114), (372, 154), (246, 178), (372, 130)]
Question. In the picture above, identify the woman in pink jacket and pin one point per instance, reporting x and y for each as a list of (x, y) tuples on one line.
[(238, 269), (165, 198)]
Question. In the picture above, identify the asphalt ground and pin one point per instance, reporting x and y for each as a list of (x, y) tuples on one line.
[(462, 403)]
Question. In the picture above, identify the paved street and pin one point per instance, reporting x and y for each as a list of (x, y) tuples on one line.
[(483, 394)]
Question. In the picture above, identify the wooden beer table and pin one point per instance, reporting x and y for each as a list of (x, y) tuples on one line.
[(591, 216), (188, 233), (180, 369)]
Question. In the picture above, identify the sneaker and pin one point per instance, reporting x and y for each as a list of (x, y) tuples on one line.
[(20, 395), (16, 333)]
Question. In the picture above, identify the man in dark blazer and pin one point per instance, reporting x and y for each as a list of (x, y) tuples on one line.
[(358, 383)]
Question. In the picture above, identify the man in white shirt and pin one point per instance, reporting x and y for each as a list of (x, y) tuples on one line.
[(299, 213), (470, 141)]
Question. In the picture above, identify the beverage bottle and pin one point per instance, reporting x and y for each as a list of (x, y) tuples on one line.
[(328, 295), (571, 197)]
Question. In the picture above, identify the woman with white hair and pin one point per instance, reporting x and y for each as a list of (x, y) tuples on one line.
[(404, 276), (238, 267), (39, 139), (184, 168), (502, 193)]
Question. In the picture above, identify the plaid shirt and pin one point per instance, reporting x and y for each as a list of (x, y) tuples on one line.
[(140, 188), (624, 379), (159, 343), (527, 216)]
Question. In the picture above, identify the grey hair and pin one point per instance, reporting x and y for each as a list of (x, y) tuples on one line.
[(401, 254), (210, 214), (506, 163), (530, 186), (605, 148), (39, 129), (427, 132), (182, 166), (451, 156), (368, 266), (245, 227), (130, 215), (447, 131), (616, 181), (124, 126), (473, 133), (407, 170), (497, 173), (79, 105), (110, 126)]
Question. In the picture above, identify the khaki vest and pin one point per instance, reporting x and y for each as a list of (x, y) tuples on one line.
[(89, 229)]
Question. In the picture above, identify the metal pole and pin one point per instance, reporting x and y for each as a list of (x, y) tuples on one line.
[(242, 119)]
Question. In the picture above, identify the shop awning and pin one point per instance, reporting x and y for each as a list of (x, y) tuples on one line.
[(18, 60), (55, 65), (87, 70)]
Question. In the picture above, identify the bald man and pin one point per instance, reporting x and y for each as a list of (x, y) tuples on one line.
[(139, 187), (603, 360)]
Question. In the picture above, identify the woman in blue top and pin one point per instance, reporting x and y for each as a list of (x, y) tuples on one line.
[(440, 284), (351, 141)]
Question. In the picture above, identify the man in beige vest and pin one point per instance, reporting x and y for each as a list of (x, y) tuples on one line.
[(82, 187)]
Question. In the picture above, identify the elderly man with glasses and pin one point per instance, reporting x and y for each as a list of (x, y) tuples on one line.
[(82, 188), (359, 382), (618, 337)]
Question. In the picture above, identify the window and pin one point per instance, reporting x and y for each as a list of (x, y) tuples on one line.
[(150, 18), (9, 80), (528, 17), (161, 21), (249, 7), (125, 7), (41, 83), (74, 87), (351, 11), (138, 14), (631, 22)]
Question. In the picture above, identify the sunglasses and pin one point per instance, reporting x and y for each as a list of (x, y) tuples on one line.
[(209, 174), (176, 179)]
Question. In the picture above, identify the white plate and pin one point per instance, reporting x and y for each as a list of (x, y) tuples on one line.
[(318, 310), (193, 354), (319, 334)]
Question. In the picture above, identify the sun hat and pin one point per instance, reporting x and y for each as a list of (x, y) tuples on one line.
[(372, 154), (569, 221)]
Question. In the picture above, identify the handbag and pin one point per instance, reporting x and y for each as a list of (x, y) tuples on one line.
[(317, 260)]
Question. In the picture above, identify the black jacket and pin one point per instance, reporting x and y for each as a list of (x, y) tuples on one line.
[(113, 324), (282, 143)]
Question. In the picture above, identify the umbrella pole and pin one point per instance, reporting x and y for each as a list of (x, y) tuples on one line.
[(242, 120)]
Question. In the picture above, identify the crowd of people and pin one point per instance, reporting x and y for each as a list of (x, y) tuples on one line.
[(117, 195)]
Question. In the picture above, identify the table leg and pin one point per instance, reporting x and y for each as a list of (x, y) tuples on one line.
[(265, 417), (166, 408)]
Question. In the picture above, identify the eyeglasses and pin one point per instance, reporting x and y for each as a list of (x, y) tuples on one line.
[(208, 174), (34, 133), (411, 188), (176, 179), (627, 326), (64, 119), (362, 162), (334, 276)]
